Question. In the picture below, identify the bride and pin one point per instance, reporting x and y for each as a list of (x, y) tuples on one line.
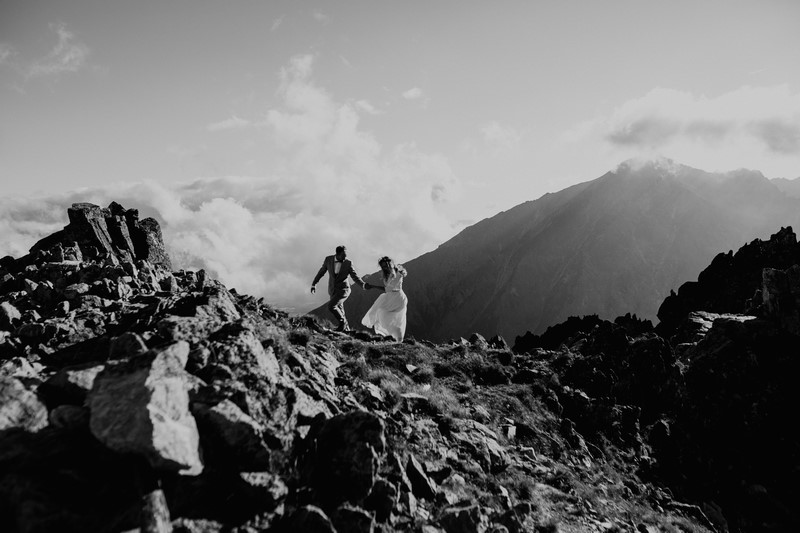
[(388, 314)]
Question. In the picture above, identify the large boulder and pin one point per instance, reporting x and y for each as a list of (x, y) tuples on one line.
[(232, 438), (349, 451), (142, 407)]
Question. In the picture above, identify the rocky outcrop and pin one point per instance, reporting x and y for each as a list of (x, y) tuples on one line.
[(114, 233), (732, 282)]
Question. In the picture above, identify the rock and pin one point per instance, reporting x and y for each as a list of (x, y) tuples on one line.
[(421, 484), (76, 290), (526, 376), (351, 518), (9, 316), (126, 345), (267, 488), (142, 407), (230, 437), (478, 341), (70, 417), (20, 407), (498, 343), (238, 347), (72, 384), (382, 499), (467, 519), (19, 367), (310, 519), (780, 290), (349, 450), (149, 243), (189, 525), (155, 513)]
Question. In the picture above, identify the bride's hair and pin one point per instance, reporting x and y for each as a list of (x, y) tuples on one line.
[(394, 268)]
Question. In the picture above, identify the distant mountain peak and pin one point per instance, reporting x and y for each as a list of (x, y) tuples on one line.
[(658, 164)]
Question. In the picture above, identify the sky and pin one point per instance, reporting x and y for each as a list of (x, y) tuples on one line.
[(261, 134)]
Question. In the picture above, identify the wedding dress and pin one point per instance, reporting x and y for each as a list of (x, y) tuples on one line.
[(388, 314)]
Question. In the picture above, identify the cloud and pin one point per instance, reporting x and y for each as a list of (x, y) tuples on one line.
[(750, 127), (6, 53), (68, 55), (277, 23), (415, 93), (321, 17), (266, 235), (367, 107), (231, 123), (500, 137), (768, 115)]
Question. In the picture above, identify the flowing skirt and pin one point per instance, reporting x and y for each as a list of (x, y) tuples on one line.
[(388, 315)]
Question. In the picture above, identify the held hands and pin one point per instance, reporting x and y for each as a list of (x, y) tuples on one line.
[(367, 286)]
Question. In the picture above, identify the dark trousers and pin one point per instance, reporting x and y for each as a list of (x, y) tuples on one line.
[(336, 306)]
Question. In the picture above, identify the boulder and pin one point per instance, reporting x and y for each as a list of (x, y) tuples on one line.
[(421, 484), (230, 437), (310, 519), (142, 407), (353, 519), (9, 316), (20, 407), (465, 519), (349, 450), (72, 384)]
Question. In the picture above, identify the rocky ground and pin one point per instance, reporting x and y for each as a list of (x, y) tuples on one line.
[(133, 397)]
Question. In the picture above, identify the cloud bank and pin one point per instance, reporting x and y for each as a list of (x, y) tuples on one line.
[(768, 115), (753, 127), (333, 183)]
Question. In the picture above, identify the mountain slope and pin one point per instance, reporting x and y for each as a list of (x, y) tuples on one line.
[(616, 244)]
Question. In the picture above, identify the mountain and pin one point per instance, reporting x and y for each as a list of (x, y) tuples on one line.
[(789, 187), (617, 244)]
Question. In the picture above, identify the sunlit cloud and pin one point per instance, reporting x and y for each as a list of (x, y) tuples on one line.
[(68, 55), (769, 115), (321, 17), (499, 137), (6, 53), (415, 93), (277, 23), (231, 123), (367, 107), (751, 127)]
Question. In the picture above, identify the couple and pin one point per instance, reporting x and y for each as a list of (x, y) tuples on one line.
[(387, 315)]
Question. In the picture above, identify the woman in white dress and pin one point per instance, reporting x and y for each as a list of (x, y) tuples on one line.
[(388, 314)]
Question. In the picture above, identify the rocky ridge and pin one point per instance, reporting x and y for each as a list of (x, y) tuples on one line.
[(135, 397)]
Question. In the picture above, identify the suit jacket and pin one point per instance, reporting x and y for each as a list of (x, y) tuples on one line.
[(337, 281)]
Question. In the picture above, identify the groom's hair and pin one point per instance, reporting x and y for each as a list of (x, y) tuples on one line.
[(340, 249)]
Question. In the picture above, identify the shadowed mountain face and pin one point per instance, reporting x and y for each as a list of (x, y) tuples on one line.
[(609, 246)]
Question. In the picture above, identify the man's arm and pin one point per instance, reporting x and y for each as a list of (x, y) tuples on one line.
[(322, 270), (355, 277)]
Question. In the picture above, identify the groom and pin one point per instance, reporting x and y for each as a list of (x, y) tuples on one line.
[(338, 268)]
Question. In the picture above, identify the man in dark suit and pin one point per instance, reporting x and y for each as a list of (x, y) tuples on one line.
[(338, 268)]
